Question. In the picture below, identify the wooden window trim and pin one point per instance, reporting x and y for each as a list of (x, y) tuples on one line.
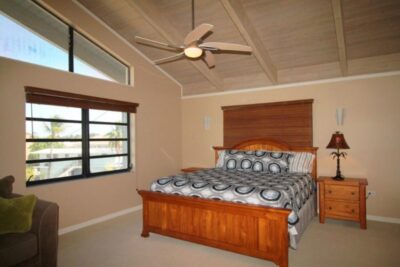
[(52, 97)]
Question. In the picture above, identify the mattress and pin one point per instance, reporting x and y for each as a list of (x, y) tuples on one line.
[(283, 190)]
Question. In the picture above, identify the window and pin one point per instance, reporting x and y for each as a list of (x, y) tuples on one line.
[(87, 54), (30, 33), (108, 140), (68, 139)]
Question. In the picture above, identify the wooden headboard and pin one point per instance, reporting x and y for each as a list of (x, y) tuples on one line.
[(271, 145), (289, 121)]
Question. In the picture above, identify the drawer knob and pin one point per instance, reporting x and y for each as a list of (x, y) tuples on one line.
[(352, 210), (353, 193), (329, 208), (330, 192)]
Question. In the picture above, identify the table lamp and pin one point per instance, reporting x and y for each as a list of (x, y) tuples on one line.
[(338, 142)]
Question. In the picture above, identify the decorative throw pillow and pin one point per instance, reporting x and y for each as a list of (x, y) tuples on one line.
[(16, 214), (256, 160), (6, 186), (272, 161), (301, 162), (238, 160)]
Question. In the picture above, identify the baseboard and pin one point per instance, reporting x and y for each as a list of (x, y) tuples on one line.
[(380, 219), (383, 219), (98, 220)]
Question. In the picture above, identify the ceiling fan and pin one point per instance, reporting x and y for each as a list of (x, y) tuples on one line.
[(193, 46)]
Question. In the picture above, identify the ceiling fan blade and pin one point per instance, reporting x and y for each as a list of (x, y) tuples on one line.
[(171, 58), (225, 47), (146, 41), (209, 59), (197, 33)]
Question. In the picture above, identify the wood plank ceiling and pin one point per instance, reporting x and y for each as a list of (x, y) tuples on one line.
[(292, 40)]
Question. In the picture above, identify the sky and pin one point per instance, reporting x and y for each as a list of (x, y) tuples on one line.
[(19, 43)]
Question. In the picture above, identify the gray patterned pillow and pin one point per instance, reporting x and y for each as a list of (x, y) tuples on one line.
[(256, 160)]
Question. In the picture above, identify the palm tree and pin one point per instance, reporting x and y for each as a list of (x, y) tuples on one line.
[(54, 130), (115, 133)]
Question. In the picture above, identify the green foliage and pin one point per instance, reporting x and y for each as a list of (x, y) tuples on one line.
[(116, 132), (29, 171), (38, 146), (54, 130)]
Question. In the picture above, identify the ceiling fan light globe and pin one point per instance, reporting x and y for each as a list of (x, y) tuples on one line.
[(193, 52)]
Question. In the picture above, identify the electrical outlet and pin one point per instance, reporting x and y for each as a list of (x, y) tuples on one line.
[(371, 193)]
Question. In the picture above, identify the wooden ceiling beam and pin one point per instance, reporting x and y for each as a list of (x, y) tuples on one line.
[(338, 18), (239, 17), (153, 15)]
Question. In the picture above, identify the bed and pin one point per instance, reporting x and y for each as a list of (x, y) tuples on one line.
[(253, 230)]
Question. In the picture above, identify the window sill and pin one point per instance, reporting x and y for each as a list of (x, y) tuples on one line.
[(77, 177)]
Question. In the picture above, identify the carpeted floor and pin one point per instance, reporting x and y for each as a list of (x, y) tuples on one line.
[(338, 244)]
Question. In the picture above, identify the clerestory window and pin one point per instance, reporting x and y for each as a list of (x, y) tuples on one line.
[(30, 33)]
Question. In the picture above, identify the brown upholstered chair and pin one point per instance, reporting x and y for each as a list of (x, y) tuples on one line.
[(39, 246)]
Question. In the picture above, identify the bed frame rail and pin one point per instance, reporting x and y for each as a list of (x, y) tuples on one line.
[(251, 230)]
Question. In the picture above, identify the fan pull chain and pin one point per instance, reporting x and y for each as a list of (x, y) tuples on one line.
[(192, 14)]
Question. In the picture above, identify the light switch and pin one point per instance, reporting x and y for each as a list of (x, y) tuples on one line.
[(207, 122)]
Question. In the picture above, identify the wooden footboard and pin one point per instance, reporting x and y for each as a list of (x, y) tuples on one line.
[(256, 231)]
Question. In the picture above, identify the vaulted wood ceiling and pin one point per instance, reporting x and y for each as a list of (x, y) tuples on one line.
[(292, 40)]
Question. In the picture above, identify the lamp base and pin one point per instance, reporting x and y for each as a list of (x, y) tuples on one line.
[(338, 178)]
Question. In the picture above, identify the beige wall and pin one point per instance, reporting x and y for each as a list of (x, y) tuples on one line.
[(158, 122), (371, 128)]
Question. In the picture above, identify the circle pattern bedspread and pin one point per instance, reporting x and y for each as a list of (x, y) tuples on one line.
[(280, 190)]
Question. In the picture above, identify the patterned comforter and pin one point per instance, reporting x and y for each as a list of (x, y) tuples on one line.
[(284, 190)]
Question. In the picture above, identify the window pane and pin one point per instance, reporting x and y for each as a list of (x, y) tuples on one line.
[(52, 112), (107, 116), (53, 130), (108, 164), (32, 35), (108, 131), (90, 60), (52, 170), (108, 147), (53, 150)]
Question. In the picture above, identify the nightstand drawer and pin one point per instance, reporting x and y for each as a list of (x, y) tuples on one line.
[(342, 192), (348, 210)]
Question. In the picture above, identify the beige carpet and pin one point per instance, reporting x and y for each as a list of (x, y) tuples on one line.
[(118, 243)]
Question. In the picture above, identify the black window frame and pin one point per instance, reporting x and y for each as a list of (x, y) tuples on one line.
[(70, 50), (85, 144), (71, 31)]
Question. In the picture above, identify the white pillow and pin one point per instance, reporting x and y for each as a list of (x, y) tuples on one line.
[(220, 161), (301, 162)]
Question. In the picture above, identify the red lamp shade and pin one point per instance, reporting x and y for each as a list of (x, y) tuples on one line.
[(338, 141)]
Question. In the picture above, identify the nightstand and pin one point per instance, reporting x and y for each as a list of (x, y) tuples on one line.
[(343, 200), (192, 169)]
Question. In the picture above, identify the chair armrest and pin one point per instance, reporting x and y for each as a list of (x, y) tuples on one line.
[(45, 226)]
